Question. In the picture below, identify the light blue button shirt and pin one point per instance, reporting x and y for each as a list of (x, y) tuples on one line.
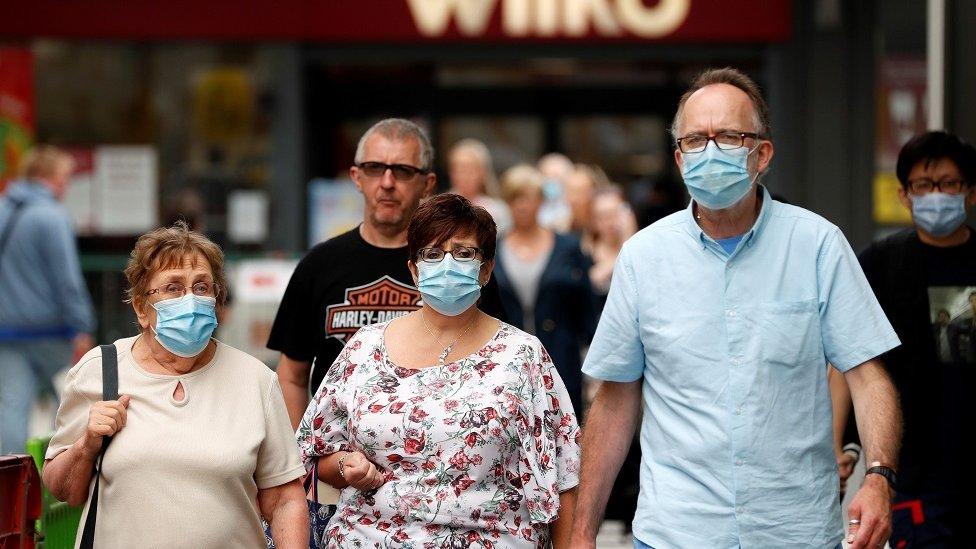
[(733, 349)]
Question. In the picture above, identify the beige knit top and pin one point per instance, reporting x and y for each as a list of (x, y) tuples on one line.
[(184, 473)]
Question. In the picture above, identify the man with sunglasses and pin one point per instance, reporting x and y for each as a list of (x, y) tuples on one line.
[(721, 319), (359, 277), (925, 278)]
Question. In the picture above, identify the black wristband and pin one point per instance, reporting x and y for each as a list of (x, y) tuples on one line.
[(887, 472)]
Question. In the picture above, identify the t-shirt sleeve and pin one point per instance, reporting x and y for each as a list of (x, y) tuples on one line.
[(76, 401), (854, 328), (550, 461), (324, 428), (293, 331), (617, 353), (278, 457)]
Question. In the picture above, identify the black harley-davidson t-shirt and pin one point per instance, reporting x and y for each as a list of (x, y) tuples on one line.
[(341, 285)]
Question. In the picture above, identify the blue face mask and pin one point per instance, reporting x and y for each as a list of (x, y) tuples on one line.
[(552, 189), (716, 179), (939, 213), (449, 286), (184, 324)]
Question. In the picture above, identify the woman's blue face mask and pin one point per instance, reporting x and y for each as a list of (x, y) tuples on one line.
[(185, 324), (449, 286)]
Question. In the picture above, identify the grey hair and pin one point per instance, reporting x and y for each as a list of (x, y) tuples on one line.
[(732, 77), (399, 129), (484, 156)]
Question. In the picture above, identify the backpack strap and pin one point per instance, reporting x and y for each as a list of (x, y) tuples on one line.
[(17, 208), (110, 391)]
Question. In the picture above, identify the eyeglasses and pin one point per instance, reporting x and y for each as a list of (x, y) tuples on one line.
[(459, 253), (172, 290), (696, 143), (924, 185), (401, 172)]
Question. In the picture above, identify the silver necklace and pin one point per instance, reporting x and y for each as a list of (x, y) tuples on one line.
[(450, 347)]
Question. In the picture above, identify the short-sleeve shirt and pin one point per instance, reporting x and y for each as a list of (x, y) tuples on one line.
[(475, 452), (184, 473), (733, 350), (340, 286)]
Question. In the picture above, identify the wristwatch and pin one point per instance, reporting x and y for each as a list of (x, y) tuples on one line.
[(887, 472)]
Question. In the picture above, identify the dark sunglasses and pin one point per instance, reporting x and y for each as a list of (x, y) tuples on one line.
[(401, 172)]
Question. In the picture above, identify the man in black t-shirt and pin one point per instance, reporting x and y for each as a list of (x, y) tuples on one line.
[(924, 278), (359, 277)]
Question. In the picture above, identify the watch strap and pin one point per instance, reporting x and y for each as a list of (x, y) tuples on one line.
[(887, 472)]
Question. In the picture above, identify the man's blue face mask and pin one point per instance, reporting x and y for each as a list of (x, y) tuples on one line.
[(938, 213), (717, 178)]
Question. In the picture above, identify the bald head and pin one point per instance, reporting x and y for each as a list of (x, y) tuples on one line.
[(725, 77), (719, 108)]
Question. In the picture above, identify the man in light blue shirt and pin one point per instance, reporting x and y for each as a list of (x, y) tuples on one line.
[(724, 317)]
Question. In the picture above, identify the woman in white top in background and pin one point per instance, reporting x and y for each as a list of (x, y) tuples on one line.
[(201, 444)]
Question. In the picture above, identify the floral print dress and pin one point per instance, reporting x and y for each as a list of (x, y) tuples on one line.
[(475, 452)]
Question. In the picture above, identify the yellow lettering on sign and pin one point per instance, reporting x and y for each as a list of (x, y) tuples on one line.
[(661, 20), (547, 18), (433, 16), (580, 13), (516, 17)]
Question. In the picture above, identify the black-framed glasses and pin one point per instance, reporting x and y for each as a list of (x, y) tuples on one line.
[(459, 253), (727, 141), (924, 185), (172, 290), (401, 172)]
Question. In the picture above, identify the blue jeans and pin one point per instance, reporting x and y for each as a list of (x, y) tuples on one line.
[(25, 368)]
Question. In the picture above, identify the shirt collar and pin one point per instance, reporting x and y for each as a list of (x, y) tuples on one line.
[(749, 238)]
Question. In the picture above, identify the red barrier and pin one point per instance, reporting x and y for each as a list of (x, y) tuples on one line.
[(20, 501)]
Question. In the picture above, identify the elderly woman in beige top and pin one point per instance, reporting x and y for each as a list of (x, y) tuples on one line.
[(202, 446)]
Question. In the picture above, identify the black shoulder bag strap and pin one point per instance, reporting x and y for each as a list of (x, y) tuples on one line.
[(110, 391), (16, 210)]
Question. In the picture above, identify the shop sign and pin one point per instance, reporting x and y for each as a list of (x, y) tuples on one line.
[(399, 21)]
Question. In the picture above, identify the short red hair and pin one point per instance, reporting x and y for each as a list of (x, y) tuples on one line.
[(447, 215)]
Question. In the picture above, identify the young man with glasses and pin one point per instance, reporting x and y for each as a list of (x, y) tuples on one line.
[(359, 277), (719, 324), (925, 279)]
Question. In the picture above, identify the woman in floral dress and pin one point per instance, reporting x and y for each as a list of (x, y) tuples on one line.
[(445, 427)]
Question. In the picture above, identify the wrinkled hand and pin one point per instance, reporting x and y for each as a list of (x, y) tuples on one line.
[(362, 473), (105, 418), (871, 507), (845, 466)]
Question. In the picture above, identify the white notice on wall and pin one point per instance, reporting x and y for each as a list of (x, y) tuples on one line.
[(125, 183), (247, 217)]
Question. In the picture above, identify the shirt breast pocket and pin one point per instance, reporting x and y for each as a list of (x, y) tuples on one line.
[(790, 332)]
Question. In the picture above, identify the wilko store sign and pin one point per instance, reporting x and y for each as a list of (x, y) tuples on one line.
[(404, 21), (551, 18)]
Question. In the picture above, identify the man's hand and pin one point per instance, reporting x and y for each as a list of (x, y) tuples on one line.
[(870, 514)]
